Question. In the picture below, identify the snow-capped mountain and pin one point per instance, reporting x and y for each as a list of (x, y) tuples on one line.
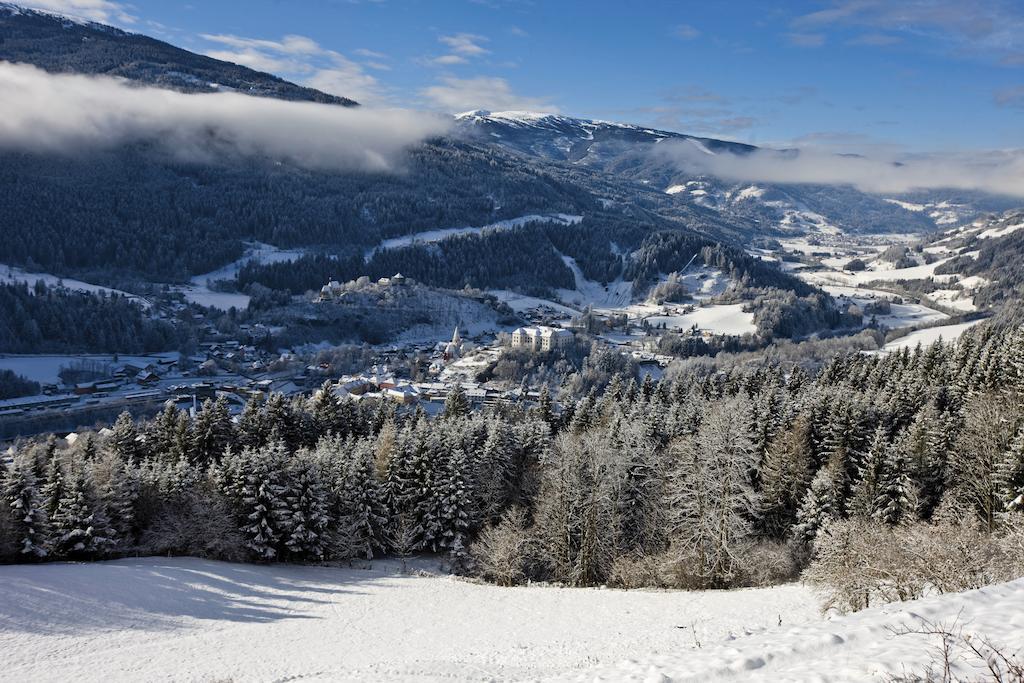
[(565, 138), (628, 152)]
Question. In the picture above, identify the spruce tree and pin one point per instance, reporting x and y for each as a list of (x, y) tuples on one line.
[(456, 404), (78, 526), (29, 524), (212, 431), (306, 517), (366, 511), (263, 504)]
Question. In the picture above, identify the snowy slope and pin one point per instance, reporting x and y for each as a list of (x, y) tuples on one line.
[(866, 646), (192, 620)]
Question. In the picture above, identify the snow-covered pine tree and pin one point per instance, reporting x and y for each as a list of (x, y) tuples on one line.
[(53, 486), (453, 510), (77, 525), (894, 504), (212, 431), (118, 497), (29, 524), (866, 488), (124, 438), (252, 431), (307, 518), (280, 422), (785, 476), (325, 409), (363, 502), (817, 509), (1010, 474), (264, 506), (456, 404)]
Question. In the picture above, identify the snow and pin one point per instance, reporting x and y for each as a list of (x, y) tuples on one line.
[(194, 620), (929, 336), (909, 206), (204, 296), (868, 645), (615, 294), (430, 236), (46, 369), (255, 252), (675, 189), (520, 302), (717, 319), (752, 192), (1000, 232), (11, 274)]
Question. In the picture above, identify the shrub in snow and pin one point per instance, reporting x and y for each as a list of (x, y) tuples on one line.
[(501, 552)]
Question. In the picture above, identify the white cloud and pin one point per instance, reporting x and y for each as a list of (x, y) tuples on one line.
[(62, 113), (465, 44), (980, 27), (482, 92), (304, 60), (685, 31), (806, 39), (104, 11), (1000, 172)]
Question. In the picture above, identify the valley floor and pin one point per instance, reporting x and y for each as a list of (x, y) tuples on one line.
[(193, 620)]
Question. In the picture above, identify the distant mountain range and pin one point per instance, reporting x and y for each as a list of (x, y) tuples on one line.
[(134, 213)]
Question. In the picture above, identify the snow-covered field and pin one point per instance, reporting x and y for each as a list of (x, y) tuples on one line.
[(46, 369), (717, 319), (866, 646), (927, 337), (193, 620), (11, 274)]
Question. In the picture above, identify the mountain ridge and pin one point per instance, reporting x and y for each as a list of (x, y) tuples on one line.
[(63, 44)]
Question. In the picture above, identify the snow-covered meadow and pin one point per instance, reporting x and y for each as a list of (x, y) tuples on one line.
[(186, 619), (195, 620)]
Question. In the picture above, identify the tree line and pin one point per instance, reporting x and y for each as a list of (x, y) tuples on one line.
[(706, 480)]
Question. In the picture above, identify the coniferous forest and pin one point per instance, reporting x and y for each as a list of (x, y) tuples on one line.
[(863, 476)]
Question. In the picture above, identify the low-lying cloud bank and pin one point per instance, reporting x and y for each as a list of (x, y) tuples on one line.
[(999, 172), (59, 113)]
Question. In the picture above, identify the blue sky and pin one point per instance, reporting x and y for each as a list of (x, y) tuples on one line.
[(851, 75)]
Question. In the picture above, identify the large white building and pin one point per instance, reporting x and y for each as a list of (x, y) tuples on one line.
[(541, 338)]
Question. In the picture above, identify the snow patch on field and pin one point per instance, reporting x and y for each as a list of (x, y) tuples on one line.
[(866, 646), (193, 620)]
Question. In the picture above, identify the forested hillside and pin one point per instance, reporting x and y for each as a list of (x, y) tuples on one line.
[(134, 211)]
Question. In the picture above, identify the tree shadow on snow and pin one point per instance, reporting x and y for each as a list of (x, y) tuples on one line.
[(164, 594)]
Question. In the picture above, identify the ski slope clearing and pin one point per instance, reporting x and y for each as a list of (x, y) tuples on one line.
[(194, 620), (866, 646), (444, 233)]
